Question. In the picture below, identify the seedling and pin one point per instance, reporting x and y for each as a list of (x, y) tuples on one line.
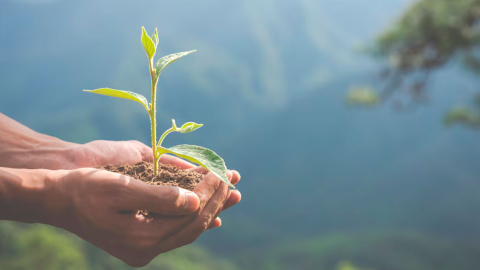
[(197, 154)]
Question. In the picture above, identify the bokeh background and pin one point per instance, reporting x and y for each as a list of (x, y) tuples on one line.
[(341, 168)]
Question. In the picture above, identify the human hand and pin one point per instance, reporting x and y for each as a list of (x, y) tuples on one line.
[(104, 206), (101, 206), (234, 196), (100, 153)]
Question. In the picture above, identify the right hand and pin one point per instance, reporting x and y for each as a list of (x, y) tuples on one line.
[(104, 205)]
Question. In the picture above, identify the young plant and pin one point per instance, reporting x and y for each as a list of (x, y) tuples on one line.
[(202, 156)]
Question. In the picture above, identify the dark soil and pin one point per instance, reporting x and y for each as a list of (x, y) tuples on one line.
[(168, 175)]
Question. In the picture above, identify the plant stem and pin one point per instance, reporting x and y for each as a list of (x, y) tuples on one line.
[(153, 118), (163, 136)]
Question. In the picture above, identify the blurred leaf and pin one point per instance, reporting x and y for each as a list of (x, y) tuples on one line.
[(121, 94), (463, 115), (163, 62), (346, 265), (364, 96), (202, 156), (148, 44)]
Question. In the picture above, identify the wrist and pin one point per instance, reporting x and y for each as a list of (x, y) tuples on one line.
[(50, 153), (33, 196)]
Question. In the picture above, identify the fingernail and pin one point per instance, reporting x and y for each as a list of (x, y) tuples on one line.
[(191, 201)]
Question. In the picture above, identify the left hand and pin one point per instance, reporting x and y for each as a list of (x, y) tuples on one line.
[(233, 197)]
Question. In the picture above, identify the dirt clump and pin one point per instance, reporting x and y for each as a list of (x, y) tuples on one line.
[(168, 175)]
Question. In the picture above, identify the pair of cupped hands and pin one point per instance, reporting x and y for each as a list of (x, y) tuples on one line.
[(105, 204)]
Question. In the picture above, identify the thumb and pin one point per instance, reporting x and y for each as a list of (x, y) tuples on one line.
[(165, 200)]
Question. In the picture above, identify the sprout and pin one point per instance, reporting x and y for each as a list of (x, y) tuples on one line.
[(202, 156)]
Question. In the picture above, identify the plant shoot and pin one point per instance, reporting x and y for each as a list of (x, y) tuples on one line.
[(197, 154)]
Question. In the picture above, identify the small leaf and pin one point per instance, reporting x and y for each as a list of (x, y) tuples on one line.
[(155, 37), (148, 44), (121, 94), (202, 156), (163, 62), (189, 127)]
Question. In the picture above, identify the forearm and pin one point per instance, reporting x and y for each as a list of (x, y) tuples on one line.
[(32, 196), (21, 147)]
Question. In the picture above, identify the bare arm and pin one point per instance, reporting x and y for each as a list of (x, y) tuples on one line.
[(21, 147)]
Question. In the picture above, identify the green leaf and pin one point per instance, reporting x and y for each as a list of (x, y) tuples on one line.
[(121, 94), (202, 156), (189, 127), (186, 128), (163, 62), (148, 44), (155, 37)]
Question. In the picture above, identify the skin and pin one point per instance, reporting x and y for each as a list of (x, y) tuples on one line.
[(102, 207)]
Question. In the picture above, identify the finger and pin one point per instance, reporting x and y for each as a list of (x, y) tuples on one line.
[(235, 177), (214, 221), (166, 200), (145, 151), (235, 197), (227, 198), (215, 224), (221, 208), (206, 189), (119, 152), (182, 164), (191, 232)]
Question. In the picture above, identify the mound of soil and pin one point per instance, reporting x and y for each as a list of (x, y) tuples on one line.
[(168, 175)]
